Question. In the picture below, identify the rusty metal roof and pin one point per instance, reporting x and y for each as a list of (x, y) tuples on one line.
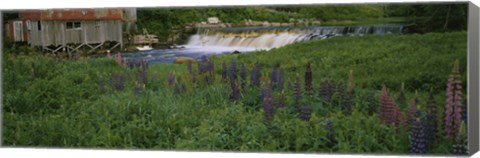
[(72, 14)]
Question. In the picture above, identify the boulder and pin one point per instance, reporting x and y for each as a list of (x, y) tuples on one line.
[(236, 52), (181, 60)]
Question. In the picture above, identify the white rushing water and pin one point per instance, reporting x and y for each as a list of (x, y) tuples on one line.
[(251, 39)]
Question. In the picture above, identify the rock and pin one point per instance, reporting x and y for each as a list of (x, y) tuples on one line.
[(236, 52), (181, 60)]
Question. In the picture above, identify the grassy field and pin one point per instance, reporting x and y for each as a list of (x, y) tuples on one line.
[(63, 103)]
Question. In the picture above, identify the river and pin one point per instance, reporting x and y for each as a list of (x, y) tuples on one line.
[(219, 41)]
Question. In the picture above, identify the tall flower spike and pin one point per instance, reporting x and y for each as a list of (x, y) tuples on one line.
[(347, 102), (411, 112), (298, 91), (305, 112), (243, 76), (452, 117), (273, 78), (417, 138), (281, 79), (330, 134), (232, 71), (461, 142), (267, 105), (308, 79), (235, 91)]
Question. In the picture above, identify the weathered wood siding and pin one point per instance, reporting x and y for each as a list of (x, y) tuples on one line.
[(90, 32)]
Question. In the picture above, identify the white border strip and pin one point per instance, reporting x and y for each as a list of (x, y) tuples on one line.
[(36, 4)]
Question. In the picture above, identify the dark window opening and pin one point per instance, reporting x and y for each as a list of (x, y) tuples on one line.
[(39, 25), (74, 25)]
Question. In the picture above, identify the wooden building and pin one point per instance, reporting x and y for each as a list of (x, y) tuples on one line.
[(72, 29)]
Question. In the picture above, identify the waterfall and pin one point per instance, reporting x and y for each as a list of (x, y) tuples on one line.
[(267, 37)]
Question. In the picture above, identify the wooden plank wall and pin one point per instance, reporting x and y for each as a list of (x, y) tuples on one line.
[(91, 32)]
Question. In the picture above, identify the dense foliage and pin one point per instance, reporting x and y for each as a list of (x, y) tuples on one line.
[(108, 103)]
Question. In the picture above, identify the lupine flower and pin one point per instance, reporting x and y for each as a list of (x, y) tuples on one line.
[(142, 76), (255, 75), (371, 103), (411, 112), (267, 105), (305, 112), (125, 63), (210, 68), (461, 142), (119, 82), (453, 104), (387, 110), (417, 137), (326, 90), (330, 133), (243, 76), (224, 71), (431, 123), (235, 91), (281, 100), (273, 78), (232, 71), (298, 91), (308, 80), (281, 79)]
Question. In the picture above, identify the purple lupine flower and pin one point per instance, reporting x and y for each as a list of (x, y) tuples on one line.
[(417, 137), (224, 71), (298, 91), (255, 75), (281, 79), (210, 68), (337, 97), (324, 91), (308, 80), (267, 105), (201, 67), (330, 133), (243, 76), (305, 112), (119, 82), (142, 76), (235, 91), (431, 121), (461, 141), (411, 112), (273, 78), (232, 71)]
